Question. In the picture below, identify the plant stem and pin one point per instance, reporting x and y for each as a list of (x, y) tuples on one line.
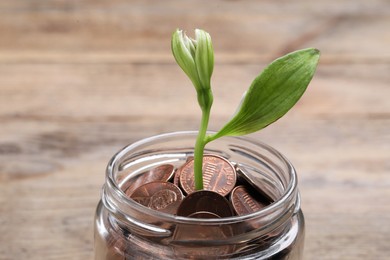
[(199, 149)]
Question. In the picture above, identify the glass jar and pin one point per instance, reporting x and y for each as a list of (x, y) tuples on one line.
[(125, 229)]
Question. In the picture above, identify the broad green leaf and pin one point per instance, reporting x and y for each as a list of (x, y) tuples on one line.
[(274, 92)]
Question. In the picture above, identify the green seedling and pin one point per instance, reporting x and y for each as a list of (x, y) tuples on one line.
[(274, 92)]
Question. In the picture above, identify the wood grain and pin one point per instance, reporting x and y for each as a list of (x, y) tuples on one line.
[(81, 79)]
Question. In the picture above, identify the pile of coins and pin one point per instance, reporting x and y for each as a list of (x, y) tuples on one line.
[(227, 190)]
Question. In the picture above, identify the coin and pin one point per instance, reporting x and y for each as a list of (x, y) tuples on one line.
[(200, 234), (160, 173), (257, 182), (176, 178), (161, 196), (205, 201), (218, 175), (243, 202), (200, 240)]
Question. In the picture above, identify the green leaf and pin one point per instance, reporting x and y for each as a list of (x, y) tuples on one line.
[(274, 92)]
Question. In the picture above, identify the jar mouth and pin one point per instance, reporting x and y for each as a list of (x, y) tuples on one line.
[(288, 195)]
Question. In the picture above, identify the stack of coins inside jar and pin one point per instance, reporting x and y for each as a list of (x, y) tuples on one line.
[(227, 190)]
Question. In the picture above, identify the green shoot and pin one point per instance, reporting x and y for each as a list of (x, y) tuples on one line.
[(271, 95)]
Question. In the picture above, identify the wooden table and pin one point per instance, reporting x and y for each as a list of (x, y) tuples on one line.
[(81, 79)]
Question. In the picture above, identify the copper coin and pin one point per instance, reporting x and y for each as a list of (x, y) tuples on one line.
[(205, 201), (243, 202), (218, 175), (161, 196), (176, 177), (202, 232), (160, 173), (197, 240), (256, 182)]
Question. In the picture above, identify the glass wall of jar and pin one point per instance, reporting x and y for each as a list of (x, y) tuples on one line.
[(125, 229)]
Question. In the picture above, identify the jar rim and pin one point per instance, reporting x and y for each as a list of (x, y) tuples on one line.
[(277, 204)]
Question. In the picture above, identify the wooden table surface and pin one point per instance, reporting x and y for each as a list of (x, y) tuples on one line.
[(81, 79)]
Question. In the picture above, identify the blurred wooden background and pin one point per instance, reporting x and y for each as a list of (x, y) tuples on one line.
[(81, 79)]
